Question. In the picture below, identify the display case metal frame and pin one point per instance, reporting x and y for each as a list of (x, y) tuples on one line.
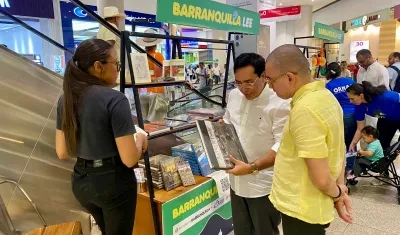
[(176, 53)]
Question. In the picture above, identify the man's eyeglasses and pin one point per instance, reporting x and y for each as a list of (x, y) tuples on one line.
[(117, 63), (272, 80), (246, 85)]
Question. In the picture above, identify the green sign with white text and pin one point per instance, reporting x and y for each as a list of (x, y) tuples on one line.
[(328, 33), (208, 14), (200, 211)]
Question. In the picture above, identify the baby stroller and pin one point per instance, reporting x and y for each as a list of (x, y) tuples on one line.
[(382, 167)]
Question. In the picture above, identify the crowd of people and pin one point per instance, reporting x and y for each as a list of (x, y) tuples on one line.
[(294, 130)]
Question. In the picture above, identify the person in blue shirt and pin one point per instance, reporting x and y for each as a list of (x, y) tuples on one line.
[(372, 153), (338, 85), (377, 102)]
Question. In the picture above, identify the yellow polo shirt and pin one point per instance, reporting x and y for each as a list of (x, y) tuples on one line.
[(314, 129)]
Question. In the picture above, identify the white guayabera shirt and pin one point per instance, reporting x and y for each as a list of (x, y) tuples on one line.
[(376, 74), (259, 124)]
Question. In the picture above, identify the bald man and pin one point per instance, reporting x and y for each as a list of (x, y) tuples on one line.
[(309, 167)]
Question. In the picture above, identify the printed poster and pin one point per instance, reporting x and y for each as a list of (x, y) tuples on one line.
[(200, 211)]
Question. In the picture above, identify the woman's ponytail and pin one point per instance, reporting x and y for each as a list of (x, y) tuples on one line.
[(76, 80), (370, 91)]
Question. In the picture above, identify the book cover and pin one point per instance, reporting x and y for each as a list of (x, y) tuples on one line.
[(141, 69), (166, 69), (202, 159), (220, 141), (178, 69), (170, 173)]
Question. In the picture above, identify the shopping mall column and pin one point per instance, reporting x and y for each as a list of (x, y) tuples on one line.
[(389, 39), (116, 3), (262, 43), (287, 31)]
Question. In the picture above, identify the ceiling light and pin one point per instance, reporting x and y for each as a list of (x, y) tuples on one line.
[(280, 4)]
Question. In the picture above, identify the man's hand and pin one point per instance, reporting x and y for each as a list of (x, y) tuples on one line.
[(240, 168), (343, 206)]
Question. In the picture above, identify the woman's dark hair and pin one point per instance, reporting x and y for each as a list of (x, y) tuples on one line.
[(366, 88), (369, 130), (250, 59), (333, 71), (76, 80)]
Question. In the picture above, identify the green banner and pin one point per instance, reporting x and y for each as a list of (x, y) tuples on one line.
[(208, 14), (200, 211), (327, 32)]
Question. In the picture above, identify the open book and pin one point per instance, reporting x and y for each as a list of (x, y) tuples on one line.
[(220, 141)]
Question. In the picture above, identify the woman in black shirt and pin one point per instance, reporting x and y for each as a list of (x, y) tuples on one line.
[(94, 124)]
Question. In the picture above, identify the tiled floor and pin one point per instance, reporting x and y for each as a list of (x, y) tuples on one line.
[(375, 212)]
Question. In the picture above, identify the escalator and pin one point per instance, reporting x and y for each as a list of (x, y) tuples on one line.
[(28, 99)]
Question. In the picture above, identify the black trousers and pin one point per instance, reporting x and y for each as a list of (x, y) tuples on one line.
[(254, 216), (108, 192), (361, 165), (387, 130), (293, 226)]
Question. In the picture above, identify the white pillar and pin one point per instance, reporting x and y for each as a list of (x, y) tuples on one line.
[(265, 41), (287, 31), (116, 3), (219, 55)]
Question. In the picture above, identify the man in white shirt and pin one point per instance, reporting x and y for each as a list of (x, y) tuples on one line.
[(394, 71), (112, 16), (258, 116), (202, 75), (371, 70), (216, 73)]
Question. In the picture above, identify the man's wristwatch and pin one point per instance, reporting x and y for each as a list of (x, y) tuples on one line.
[(254, 168)]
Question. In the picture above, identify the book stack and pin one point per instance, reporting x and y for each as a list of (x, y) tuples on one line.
[(170, 174), (156, 172), (195, 156)]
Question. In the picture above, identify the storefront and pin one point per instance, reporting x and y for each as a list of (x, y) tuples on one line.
[(78, 26), (363, 32), (37, 14)]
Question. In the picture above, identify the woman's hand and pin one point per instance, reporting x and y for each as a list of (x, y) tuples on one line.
[(141, 142), (352, 147)]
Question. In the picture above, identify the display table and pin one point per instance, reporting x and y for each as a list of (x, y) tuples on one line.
[(144, 218)]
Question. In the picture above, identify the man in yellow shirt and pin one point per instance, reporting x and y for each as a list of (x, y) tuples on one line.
[(309, 167)]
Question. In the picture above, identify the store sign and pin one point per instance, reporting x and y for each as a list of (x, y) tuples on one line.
[(396, 12), (364, 20), (355, 46), (208, 14), (281, 14), (328, 33), (33, 8), (68, 10), (187, 43), (375, 17), (4, 3), (200, 211)]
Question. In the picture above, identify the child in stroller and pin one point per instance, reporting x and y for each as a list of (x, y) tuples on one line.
[(372, 153)]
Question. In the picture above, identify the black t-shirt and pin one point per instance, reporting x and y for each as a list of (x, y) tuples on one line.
[(105, 115)]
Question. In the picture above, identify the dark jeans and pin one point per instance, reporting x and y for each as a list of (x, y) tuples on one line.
[(108, 192), (350, 128), (293, 226), (216, 79), (254, 216), (361, 165), (387, 130)]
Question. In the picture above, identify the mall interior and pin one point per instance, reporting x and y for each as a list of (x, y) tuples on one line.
[(38, 38)]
